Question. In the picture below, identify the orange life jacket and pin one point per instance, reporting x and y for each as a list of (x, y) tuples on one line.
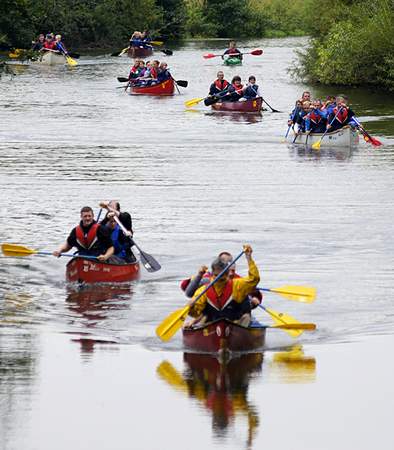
[(219, 302), (87, 240), (221, 85)]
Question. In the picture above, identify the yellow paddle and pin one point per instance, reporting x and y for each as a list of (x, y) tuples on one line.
[(15, 250), (156, 42), (316, 145), (70, 61), (290, 325), (174, 321), (16, 53), (193, 101), (304, 294)]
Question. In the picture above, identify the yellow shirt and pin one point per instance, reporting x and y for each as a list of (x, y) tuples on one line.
[(241, 288)]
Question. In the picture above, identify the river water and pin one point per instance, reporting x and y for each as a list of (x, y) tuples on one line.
[(82, 368)]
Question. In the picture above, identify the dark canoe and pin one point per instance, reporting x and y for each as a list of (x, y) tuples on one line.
[(249, 106), (91, 271), (223, 335), (167, 87), (139, 52)]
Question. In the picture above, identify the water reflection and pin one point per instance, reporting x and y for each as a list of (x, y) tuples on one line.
[(221, 387), (307, 152), (236, 117)]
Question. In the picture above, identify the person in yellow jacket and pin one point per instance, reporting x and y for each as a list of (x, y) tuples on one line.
[(227, 298)]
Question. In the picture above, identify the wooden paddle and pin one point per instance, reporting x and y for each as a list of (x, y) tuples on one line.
[(148, 261), (367, 137), (304, 294), (15, 250), (256, 52), (171, 324), (291, 326)]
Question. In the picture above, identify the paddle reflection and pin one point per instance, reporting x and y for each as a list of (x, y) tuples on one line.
[(307, 152), (291, 366), (221, 387), (91, 304)]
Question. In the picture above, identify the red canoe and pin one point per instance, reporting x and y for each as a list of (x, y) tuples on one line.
[(139, 52), (91, 271), (249, 106), (167, 87), (223, 335)]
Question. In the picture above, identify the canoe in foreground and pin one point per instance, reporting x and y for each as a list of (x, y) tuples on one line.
[(91, 271), (223, 335), (51, 59), (166, 87), (249, 106), (232, 62), (344, 137), (139, 52)]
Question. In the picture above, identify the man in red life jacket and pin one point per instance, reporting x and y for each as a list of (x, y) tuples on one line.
[(49, 43), (89, 238), (228, 298), (219, 85), (232, 51), (341, 115)]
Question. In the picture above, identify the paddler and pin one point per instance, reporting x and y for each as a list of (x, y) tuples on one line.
[(226, 298), (316, 119), (89, 237), (39, 43), (252, 90), (232, 51), (340, 115), (121, 243), (219, 85), (49, 43), (235, 90)]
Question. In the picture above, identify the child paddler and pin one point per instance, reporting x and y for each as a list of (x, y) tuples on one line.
[(316, 119), (232, 51), (235, 90), (226, 298), (341, 115), (252, 90)]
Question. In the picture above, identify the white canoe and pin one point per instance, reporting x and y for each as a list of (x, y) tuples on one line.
[(51, 59), (344, 137)]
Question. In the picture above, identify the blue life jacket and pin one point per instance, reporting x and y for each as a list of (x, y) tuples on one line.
[(251, 91), (120, 249)]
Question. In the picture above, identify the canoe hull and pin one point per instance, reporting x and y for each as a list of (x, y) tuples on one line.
[(139, 52), (224, 336), (167, 87), (232, 62), (249, 106), (91, 271), (51, 59), (344, 137)]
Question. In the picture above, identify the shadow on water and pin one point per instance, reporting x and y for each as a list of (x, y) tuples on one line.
[(221, 387)]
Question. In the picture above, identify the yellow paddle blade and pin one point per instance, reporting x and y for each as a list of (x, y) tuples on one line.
[(123, 51), (296, 326), (172, 323), (16, 250), (193, 102), (71, 61), (303, 294), (285, 319), (316, 145), (168, 373), (16, 53), (156, 42)]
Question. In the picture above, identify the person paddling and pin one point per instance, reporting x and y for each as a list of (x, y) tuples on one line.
[(220, 85), (226, 299), (120, 242), (49, 43), (89, 237), (39, 43), (235, 90), (232, 51), (341, 115), (316, 119), (252, 90)]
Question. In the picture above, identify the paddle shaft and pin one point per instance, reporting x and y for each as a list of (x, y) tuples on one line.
[(68, 255), (374, 141), (269, 106), (332, 121)]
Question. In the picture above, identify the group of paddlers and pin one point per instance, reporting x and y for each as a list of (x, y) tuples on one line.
[(232, 297), (49, 42), (151, 72), (224, 91), (109, 240), (317, 116)]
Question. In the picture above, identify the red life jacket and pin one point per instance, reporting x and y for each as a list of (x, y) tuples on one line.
[(233, 51), (153, 72), (134, 69), (221, 84), (50, 45), (219, 302), (87, 240), (341, 115), (315, 118), (238, 89)]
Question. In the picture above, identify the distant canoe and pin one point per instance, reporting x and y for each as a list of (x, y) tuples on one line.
[(139, 52), (249, 106), (51, 59), (92, 271), (344, 137), (166, 87), (224, 335), (232, 61)]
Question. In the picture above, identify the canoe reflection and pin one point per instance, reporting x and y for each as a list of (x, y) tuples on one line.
[(236, 117), (221, 387), (307, 152), (291, 366)]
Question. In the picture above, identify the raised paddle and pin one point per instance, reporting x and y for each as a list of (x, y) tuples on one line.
[(148, 261), (256, 52), (174, 321), (304, 294), (316, 145), (284, 319), (367, 137), (15, 250)]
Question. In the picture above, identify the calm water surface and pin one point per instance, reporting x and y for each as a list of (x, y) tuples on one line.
[(82, 368)]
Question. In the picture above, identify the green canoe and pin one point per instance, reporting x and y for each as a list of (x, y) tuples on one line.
[(232, 62)]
